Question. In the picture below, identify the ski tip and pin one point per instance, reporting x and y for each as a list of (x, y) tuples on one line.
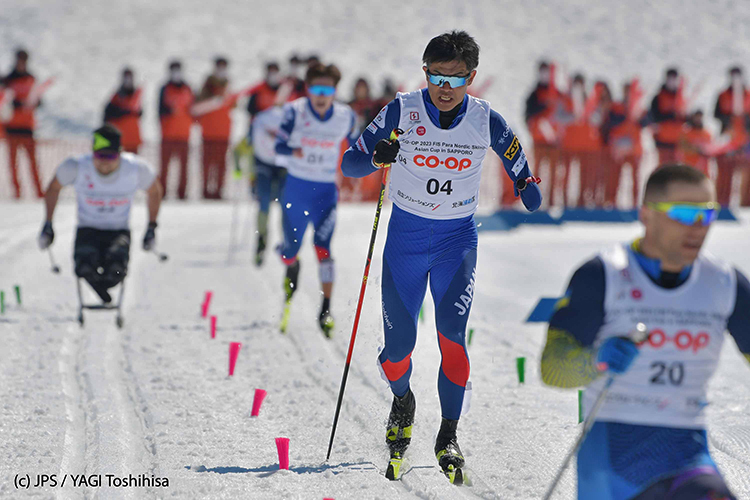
[(456, 476)]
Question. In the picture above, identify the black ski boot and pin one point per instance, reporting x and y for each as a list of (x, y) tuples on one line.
[(290, 281), (398, 431), (325, 320), (260, 250), (448, 453)]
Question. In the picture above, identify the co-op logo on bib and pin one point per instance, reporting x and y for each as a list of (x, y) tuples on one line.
[(683, 340), (315, 143), (451, 163)]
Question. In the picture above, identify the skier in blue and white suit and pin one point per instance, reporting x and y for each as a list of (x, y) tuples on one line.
[(436, 167), (309, 146), (648, 440)]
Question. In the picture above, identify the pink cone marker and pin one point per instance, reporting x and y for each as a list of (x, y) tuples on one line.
[(234, 351), (213, 327), (260, 395), (206, 303), (282, 446)]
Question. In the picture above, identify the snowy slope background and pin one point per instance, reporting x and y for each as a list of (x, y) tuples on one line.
[(85, 44), (154, 398)]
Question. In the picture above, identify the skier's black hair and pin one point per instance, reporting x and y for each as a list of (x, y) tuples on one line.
[(452, 46), (660, 180)]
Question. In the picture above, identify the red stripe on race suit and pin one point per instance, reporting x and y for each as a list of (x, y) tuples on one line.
[(395, 371), (455, 364), (323, 253)]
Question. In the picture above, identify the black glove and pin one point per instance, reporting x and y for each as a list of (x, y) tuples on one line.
[(522, 184), (149, 240), (47, 236), (385, 152)]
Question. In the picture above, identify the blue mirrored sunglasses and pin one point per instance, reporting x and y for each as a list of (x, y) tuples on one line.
[(688, 213), (322, 90), (453, 81)]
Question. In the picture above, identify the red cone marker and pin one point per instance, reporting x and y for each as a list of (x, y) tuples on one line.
[(260, 395), (282, 446), (234, 351), (206, 303)]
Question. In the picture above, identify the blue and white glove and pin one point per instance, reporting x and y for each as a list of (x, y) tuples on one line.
[(616, 354)]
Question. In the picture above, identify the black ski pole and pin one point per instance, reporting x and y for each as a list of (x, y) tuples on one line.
[(394, 136), (162, 256), (55, 267)]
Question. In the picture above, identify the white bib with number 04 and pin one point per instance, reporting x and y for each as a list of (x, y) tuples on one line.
[(437, 172)]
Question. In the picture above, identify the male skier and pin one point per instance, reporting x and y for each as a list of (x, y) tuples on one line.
[(436, 168), (309, 146), (649, 440), (105, 182)]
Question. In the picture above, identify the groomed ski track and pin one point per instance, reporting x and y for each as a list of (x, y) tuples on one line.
[(154, 397)]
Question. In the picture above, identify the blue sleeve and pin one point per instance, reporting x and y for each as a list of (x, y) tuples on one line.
[(509, 149), (285, 132), (581, 311), (739, 322), (357, 161)]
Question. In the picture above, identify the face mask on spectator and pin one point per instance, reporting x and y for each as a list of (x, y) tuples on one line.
[(737, 80), (273, 78), (544, 76), (221, 73), (175, 75), (127, 81), (672, 83)]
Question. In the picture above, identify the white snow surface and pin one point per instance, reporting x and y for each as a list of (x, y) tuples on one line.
[(155, 397)]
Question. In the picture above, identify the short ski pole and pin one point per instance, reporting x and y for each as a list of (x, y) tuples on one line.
[(639, 335), (394, 136), (55, 267), (162, 256)]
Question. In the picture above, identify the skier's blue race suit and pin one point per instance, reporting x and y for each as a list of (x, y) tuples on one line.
[(620, 460), (310, 193), (424, 238)]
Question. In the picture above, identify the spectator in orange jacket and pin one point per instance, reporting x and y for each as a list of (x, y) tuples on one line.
[(541, 108), (124, 112), (667, 115), (20, 128), (581, 141), (622, 137), (263, 95), (733, 111), (175, 100), (213, 107), (693, 143)]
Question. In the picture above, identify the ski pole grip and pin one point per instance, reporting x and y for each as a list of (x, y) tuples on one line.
[(395, 133), (639, 334)]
